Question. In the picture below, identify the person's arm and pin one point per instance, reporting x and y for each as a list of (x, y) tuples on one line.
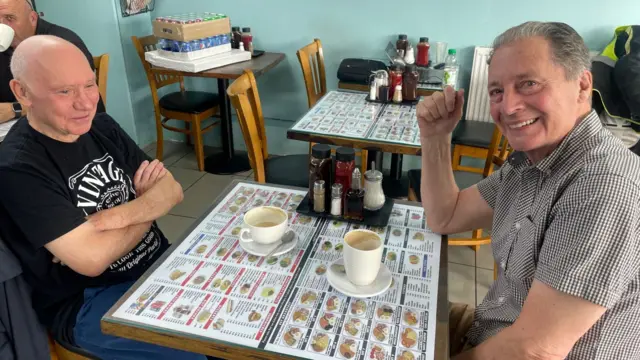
[(448, 210), (152, 204), (550, 323), (89, 251), (587, 261), (7, 113)]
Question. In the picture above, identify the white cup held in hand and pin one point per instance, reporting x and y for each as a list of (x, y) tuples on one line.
[(362, 256), (6, 37), (264, 225)]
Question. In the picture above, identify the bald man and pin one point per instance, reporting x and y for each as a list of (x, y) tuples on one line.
[(25, 22), (78, 199)]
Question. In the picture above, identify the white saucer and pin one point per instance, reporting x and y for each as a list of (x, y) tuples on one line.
[(338, 279), (254, 248)]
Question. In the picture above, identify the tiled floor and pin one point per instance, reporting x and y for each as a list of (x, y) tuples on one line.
[(470, 274)]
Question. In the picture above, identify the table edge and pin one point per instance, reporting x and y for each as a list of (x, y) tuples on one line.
[(108, 320)]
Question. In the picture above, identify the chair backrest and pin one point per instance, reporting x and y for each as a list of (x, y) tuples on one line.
[(499, 151), (312, 62), (478, 99), (101, 63), (243, 93), (156, 81)]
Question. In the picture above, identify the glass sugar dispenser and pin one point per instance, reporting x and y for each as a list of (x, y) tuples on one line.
[(374, 197)]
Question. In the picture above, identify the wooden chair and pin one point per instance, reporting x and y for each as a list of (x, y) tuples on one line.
[(289, 170), (311, 60), (471, 137), (101, 63), (190, 107), (499, 150)]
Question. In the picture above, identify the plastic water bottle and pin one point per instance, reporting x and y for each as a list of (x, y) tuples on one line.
[(451, 70)]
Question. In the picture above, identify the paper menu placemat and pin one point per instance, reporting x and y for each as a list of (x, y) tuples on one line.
[(208, 286)]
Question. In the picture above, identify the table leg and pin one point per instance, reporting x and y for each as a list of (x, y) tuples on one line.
[(395, 185), (228, 161), (374, 155)]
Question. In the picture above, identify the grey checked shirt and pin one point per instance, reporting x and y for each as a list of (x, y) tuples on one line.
[(572, 221)]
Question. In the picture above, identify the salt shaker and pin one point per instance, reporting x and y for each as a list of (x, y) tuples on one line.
[(374, 197), (336, 200)]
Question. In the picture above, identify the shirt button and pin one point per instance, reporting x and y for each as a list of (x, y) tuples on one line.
[(501, 299), (503, 265), (517, 226), (476, 323)]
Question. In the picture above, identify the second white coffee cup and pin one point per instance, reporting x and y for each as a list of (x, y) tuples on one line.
[(6, 37), (362, 256), (264, 225)]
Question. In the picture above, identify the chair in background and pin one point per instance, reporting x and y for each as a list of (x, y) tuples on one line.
[(289, 170), (101, 63), (498, 152), (311, 60), (191, 107), (472, 136)]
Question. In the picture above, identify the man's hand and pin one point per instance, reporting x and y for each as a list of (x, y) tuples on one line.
[(148, 174), (439, 113)]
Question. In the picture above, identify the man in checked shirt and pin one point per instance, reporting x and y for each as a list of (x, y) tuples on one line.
[(564, 210)]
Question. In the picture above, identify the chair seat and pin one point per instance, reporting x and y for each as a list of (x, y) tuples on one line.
[(291, 170), (473, 133), (193, 102), (415, 176)]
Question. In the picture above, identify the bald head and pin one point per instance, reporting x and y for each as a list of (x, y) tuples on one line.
[(41, 51), (54, 79)]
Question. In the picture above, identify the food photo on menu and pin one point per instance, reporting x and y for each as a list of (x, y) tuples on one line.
[(338, 289)]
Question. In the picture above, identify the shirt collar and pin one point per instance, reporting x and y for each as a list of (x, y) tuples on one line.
[(585, 129)]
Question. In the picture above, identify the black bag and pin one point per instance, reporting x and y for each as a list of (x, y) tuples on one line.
[(358, 71)]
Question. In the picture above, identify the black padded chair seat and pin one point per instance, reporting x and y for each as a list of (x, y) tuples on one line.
[(473, 133), (415, 176), (291, 170), (193, 102)]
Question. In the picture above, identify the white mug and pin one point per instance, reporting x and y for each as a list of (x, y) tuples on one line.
[(362, 256), (6, 37), (264, 225)]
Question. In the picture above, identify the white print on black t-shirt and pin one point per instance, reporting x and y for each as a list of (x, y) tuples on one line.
[(101, 185)]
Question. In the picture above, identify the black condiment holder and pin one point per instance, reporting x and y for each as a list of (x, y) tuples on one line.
[(404, 102), (378, 218)]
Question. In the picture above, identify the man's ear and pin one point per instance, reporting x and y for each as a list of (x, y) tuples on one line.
[(20, 92), (33, 18), (586, 86)]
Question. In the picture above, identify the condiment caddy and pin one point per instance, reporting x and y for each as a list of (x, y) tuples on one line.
[(336, 189), (398, 85)]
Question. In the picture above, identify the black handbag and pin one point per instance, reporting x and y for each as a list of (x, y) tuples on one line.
[(358, 71)]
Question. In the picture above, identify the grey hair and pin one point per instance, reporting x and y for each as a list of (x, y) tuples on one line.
[(567, 46), (18, 65)]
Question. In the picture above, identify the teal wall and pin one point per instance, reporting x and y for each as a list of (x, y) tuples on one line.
[(96, 22)]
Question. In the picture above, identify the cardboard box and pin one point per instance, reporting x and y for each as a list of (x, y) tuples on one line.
[(209, 62), (195, 55), (188, 32)]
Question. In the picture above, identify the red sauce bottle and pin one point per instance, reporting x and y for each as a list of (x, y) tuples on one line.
[(345, 163), (247, 39), (395, 78), (423, 52)]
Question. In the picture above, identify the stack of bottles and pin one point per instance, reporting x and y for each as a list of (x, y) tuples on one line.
[(335, 187), (193, 45)]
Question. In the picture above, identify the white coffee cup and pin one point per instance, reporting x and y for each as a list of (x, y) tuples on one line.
[(362, 256), (264, 225), (6, 37)]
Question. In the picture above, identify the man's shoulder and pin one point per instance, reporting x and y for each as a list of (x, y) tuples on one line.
[(610, 157), (19, 145), (47, 28)]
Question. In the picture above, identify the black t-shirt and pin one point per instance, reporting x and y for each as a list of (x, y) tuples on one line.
[(42, 28), (47, 188)]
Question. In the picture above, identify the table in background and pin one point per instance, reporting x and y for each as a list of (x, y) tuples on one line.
[(363, 129), (209, 257), (229, 162)]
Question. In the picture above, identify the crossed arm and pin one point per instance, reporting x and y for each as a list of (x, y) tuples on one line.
[(92, 247)]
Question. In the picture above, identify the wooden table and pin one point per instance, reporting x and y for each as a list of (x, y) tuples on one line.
[(229, 162), (117, 326)]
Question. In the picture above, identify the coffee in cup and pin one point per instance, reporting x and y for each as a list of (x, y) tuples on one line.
[(362, 256), (264, 225)]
